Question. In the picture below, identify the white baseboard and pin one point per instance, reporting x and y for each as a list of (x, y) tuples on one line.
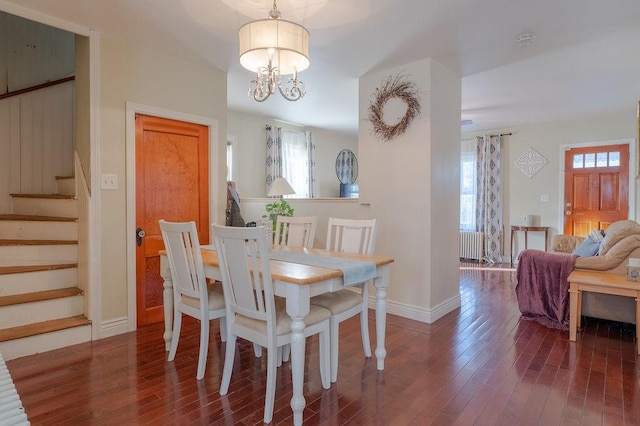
[(114, 327), (419, 314), (119, 326)]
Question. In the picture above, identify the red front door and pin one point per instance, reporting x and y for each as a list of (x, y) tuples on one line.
[(596, 188)]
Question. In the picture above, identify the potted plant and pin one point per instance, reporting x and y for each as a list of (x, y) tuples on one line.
[(278, 208)]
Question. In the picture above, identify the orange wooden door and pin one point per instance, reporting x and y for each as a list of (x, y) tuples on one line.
[(172, 176), (596, 188)]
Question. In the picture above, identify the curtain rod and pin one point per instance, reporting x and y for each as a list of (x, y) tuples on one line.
[(503, 134)]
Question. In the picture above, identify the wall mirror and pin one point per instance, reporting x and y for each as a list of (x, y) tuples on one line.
[(347, 167)]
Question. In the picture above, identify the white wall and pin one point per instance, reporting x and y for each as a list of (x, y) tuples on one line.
[(32, 53), (522, 194), (249, 134), (348, 208), (82, 108), (412, 185), (132, 73), (36, 142)]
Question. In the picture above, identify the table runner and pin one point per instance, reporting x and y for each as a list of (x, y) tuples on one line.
[(353, 271)]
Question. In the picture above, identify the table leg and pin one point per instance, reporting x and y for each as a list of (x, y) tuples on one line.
[(579, 311), (638, 321), (167, 301), (380, 284), (512, 246), (297, 307), (574, 299)]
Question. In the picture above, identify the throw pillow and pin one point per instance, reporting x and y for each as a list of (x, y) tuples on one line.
[(589, 247)]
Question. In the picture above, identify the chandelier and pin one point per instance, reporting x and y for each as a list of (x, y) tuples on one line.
[(274, 49)]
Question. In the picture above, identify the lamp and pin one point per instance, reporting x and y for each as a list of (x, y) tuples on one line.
[(280, 187), (272, 48)]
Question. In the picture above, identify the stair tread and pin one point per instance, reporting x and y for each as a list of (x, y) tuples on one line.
[(38, 296), (52, 196), (36, 242), (35, 268), (42, 327), (26, 217)]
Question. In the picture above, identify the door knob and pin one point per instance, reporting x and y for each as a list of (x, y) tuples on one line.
[(568, 212), (139, 235)]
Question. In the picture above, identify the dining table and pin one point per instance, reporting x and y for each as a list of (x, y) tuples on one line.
[(297, 277)]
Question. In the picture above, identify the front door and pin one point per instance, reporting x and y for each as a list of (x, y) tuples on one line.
[(172, 176), (596, 188)]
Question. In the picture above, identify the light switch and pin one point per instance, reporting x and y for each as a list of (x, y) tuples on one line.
[(109, 181)]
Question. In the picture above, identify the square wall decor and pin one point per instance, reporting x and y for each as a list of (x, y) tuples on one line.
[(531, 162)]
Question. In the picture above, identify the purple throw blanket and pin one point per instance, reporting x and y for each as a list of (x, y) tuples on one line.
[(542, 289)]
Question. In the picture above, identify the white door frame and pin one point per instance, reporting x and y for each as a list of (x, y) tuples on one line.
[(131, 110)]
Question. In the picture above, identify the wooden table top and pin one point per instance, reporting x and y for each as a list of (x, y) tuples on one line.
[(605, 279), (298, 273), (528, 228)]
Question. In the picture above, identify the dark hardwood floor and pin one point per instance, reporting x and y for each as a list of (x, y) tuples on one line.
[(480, 364)]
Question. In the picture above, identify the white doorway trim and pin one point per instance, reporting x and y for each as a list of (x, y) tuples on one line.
[(131, 110), (633, 171)]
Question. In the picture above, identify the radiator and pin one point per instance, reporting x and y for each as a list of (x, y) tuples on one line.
[(472, 245), (11, 410)]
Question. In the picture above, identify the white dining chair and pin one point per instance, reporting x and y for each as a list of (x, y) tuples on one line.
[(349, 236), (253, 313), (191, 294), (295, 231)]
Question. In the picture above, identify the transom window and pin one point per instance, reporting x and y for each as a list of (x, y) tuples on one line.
[(596, 160)]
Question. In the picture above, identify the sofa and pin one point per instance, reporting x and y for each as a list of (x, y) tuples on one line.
[(621, 242)]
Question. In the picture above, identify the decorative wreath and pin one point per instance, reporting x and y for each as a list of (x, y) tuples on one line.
[(394, 87)]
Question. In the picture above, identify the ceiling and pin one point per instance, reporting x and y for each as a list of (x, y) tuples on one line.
[(585, 59)]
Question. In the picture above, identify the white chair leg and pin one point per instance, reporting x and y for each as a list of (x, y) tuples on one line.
[(230, 353), (325, 357), (279, 351), (177, 325), (223, 329), (270, 395), (364, 330), (335, 335), (204, 348), (286, 353), (257, 350)]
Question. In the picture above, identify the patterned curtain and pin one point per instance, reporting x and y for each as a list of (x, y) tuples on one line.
[(274, 155), (311, 144), (489, 203)]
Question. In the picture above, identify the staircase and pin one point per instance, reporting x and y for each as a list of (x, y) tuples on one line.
[(42, 306)]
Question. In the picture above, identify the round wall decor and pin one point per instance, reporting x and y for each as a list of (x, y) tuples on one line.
[(398, 88), (347, 166)]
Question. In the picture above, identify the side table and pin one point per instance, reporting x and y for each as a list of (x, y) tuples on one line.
[(527, 229), (599, 282)]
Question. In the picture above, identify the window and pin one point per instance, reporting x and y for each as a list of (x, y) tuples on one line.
[(468, 185), (295, 162), (600, 159)]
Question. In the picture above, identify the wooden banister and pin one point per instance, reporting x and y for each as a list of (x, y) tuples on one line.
[(37, 87)]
